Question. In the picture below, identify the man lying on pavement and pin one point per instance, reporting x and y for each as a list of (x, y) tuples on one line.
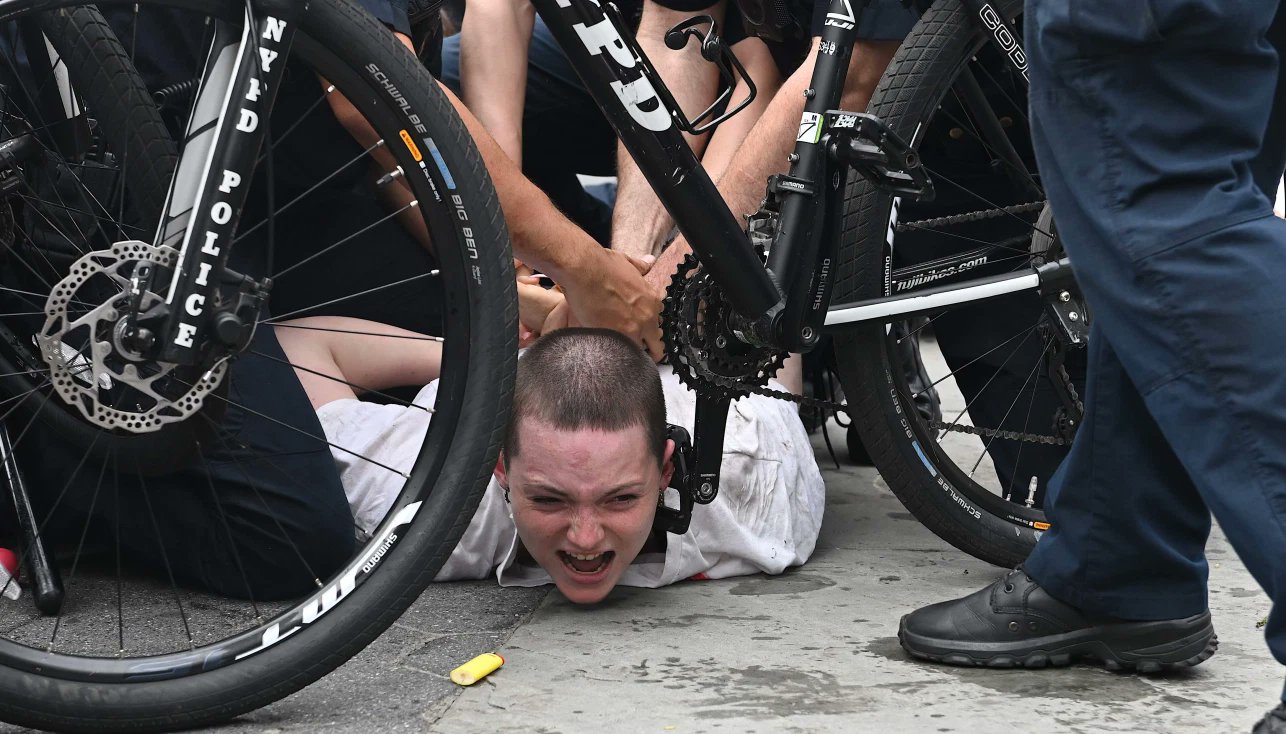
[(584, 464)]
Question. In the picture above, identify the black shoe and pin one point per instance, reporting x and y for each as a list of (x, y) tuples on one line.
[(1274, 722), (1015, 623)]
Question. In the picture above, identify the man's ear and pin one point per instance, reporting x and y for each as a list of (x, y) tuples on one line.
[(667, 464), (502, 477)]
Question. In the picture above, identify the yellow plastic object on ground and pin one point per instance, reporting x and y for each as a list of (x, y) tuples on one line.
[(477, 669)]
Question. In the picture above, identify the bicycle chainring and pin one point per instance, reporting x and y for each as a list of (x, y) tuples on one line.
[(702, 348), (81, 345), (701, 357)]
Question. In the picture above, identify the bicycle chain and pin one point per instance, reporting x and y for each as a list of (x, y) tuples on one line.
[(1019, 435), (678, 333), (998, 433), (728, 383), (968, 217)]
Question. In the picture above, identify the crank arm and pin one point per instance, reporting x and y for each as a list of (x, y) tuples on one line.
[(711, 419)]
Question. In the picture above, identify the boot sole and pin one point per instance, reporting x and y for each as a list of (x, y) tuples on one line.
[(1146, 647)]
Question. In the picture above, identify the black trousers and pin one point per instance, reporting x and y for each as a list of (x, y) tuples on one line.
[(260, 513), (1162, 174)]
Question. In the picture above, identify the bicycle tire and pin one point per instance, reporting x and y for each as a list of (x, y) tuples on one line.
[(936, 492), (127, 116), (185, 690), (127, 120)]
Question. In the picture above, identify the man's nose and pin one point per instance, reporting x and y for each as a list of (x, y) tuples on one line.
[(586, 532)]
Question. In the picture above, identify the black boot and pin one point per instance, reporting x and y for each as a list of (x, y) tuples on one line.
[(1274, 722), (1015, 623)]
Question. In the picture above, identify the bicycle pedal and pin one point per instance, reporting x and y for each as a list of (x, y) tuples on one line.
[(867, 145)]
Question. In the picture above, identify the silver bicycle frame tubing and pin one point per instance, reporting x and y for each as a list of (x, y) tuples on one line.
[(881, 309), (227, 52)]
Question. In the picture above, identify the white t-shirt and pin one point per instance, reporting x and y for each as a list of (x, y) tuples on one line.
[(766, 517)]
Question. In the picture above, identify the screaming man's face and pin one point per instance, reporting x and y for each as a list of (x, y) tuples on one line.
[(583, 502)]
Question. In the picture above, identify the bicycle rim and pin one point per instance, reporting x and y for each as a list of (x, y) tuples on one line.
[(139, 621), (963, 410)]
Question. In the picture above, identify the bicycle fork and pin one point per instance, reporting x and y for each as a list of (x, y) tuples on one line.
[(243, 72)]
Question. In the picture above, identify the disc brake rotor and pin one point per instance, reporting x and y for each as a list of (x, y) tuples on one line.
[(88, 367)]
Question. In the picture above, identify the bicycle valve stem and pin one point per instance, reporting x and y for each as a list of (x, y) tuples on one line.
[(391, 176), (1031, 493)]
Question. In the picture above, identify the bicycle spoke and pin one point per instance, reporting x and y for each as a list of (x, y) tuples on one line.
[(356, 387), (23, 261), (120, 223), (1013, 475), (1025, 330), (320, 439), (165, 558), (313, 188), (40, 211), (1019, 109), (415, 337), (272, 146), (332, 302), (349, 238), (61, 206), (80, 546), (927, 323), (938, 176), (1014, 402), (990, 380), (249, 481), (1002, 245), (971, 129), (227, 529), (120, 607)]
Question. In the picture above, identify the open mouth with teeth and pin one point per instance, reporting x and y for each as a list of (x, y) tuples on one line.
[(587, 564)]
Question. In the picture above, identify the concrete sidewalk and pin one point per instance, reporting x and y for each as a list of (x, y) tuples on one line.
[(815, 650), (809, 651)]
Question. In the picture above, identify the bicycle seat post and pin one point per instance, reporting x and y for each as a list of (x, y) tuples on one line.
[(809, 196)]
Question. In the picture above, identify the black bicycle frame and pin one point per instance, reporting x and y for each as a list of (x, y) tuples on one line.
[(810, 212), (787, 308), (255, 56), (608, 60)]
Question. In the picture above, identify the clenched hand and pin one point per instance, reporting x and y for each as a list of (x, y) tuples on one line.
[(610, 292)]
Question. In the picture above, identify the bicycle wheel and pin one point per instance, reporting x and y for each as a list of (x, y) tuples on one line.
[(966, 412), (202, 590)]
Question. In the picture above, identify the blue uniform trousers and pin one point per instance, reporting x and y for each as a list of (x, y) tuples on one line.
[(1160, 141)]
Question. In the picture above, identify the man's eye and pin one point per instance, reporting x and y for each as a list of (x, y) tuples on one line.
[(625, 498), (547, 501)]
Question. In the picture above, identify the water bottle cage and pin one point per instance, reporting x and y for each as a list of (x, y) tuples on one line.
[(713, 49)]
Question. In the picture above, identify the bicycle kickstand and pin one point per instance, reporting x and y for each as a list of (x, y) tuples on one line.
[(46, 582)]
